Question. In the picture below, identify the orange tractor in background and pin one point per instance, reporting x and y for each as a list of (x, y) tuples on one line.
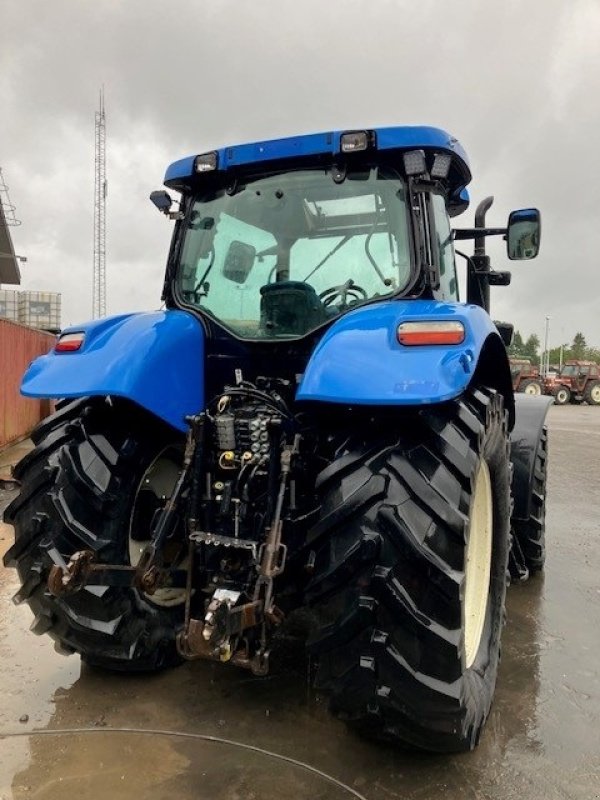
[(576, 382), (525, 376)]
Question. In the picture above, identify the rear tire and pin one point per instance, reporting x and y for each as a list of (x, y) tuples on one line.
[(397, 650), (531, 387), (77, 493), (592, 393)]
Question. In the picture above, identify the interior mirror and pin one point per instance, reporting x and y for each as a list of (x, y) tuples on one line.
[(523, 234), (239, 260), (162, 200)]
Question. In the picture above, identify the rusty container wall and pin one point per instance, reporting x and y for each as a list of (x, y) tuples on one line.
[(19, 345)]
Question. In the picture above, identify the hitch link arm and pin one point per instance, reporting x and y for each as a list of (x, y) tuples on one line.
[(149, 574), (272, 554)]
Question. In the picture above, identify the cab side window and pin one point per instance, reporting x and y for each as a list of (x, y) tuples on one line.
[(443, 242)]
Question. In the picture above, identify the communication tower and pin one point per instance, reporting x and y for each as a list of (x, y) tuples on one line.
[(100, 190)]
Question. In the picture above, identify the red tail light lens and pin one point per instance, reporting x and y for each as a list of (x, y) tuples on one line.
[(69, 342), (431, 332)]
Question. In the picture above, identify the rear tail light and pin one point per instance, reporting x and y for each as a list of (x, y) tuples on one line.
[(422, 333), (69, 342)]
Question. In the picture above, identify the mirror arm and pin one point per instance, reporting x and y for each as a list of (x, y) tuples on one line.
[(475, 233)]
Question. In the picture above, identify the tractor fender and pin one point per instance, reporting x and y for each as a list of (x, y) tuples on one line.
[(530, 416), (155, 359), (360, 360)]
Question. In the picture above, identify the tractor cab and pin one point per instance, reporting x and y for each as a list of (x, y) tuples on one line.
[(275, 240)]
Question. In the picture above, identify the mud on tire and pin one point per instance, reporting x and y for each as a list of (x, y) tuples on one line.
[(389, 577), (77, 490)]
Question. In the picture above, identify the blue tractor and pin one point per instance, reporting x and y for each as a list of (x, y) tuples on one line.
[(315, 434)]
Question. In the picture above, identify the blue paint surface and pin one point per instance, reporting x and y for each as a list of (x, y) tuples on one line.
[(155, 359), (360, 361)]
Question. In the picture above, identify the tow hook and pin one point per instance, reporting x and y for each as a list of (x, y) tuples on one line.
[(218, 636)]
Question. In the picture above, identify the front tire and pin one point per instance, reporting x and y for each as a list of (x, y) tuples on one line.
[(80, 490), (530, 534), (562, 396), (410, 576)]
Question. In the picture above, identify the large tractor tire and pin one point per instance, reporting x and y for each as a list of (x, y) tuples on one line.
[(409, 584), (97, 475), (532, 386), (530, 534), (592, 393), (562, 396)]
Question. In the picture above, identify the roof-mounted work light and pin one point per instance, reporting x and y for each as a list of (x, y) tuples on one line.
[(414, 162), (207, 162), (441, 165), (354, 141)]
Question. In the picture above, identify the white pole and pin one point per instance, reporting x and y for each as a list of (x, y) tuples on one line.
[(547, 364)]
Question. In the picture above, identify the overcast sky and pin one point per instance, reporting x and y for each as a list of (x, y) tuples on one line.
[(517, 81)]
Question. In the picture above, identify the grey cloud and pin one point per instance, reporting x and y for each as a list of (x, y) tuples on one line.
[(516, 82)]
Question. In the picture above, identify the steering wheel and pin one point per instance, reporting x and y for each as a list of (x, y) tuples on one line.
[(346, 290)]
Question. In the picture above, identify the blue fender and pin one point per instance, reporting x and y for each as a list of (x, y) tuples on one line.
[(155, 359), (360, 361)]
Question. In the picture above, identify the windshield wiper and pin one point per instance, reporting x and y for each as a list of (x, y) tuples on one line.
[(203, 281)]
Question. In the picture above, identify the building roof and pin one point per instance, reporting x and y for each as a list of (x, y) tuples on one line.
[(9, 265)]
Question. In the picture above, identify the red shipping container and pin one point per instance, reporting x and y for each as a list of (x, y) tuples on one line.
[(19, 345)]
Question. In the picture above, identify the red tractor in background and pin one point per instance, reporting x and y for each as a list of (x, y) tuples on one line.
[(525, 376), (576, 382)]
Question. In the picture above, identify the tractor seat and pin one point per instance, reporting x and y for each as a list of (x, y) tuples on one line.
[(290, 308)]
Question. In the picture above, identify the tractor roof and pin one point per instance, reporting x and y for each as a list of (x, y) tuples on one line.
[(294, 148)]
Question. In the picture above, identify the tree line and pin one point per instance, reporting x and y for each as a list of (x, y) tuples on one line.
[(531, 348)]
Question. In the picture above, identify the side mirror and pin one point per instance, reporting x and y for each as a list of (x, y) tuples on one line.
[(162, 200), (239, 260), (523, 234)]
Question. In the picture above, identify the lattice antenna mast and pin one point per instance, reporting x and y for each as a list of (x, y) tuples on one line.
[(8, 208), (100, 190)]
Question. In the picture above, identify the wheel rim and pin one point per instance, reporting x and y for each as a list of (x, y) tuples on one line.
[(154, 489), (595, 394), (561, 396), (478, 564), (533, 388)]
